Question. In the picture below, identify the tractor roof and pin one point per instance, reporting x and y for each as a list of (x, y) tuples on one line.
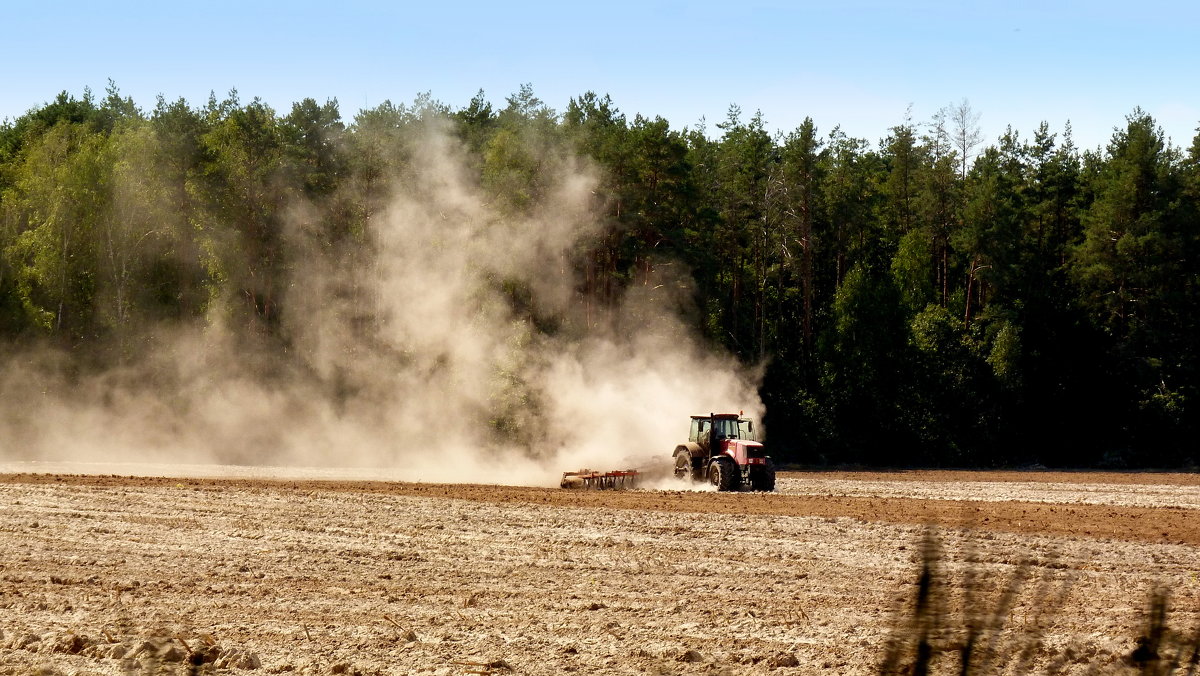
[(733, 416)]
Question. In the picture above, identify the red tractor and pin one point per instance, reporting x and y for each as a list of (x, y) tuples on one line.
[(722, 449)]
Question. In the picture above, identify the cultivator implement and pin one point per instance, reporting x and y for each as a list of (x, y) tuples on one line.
[(589, 479)]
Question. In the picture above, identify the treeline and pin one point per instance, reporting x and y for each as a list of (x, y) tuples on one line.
[(927, 300)]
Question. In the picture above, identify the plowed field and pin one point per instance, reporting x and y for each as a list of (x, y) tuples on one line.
[(112, 575)]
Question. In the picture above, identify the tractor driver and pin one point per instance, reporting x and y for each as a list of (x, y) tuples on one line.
[(718, 435)]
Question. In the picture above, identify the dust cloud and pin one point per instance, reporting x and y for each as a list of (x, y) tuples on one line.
[(458, 348)]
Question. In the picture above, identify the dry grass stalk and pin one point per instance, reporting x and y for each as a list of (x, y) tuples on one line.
[(405, 632), (479, 668), (982, 638)]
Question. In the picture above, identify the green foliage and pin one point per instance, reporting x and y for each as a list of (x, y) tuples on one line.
[(60, 192), (241, 182), (903, 158), (1136, 269), (511, 171), (867, 372), (913, 268), (1131, 247), (920, 302), (313, 134), (1005, 355)]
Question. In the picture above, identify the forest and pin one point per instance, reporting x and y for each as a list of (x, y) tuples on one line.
[(924, 299)]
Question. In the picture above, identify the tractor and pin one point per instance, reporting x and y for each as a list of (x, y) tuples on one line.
[(721, 449)]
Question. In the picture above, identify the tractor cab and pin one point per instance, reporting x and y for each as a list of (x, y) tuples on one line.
[(720, 426)]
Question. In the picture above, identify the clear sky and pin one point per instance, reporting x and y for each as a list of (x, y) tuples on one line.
[(857, 63)]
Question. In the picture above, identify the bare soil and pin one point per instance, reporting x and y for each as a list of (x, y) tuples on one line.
[(118, 574)]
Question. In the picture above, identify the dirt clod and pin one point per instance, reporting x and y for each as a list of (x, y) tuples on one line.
[(783, 660)]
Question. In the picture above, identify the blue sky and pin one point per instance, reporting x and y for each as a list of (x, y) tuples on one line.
[(857, 63)]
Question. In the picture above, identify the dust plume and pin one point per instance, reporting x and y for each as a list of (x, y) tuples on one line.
[(454, 344)]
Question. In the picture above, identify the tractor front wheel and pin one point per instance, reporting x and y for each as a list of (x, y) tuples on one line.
[(723, 474), (763, 478)]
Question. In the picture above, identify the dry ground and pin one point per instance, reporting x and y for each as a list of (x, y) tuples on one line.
[(109, 574)]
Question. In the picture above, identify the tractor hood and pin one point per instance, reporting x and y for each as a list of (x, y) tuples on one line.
[(744, 451), (746, 444)]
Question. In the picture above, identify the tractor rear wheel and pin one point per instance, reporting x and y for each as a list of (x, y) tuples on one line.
[(683, 465), (763, 478), (723, 474)]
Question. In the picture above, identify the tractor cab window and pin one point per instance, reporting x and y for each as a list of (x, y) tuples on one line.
[(746, 430), (694, 434), (727, 428)]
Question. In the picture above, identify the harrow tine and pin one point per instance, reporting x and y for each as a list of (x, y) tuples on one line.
[(588, 479)]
